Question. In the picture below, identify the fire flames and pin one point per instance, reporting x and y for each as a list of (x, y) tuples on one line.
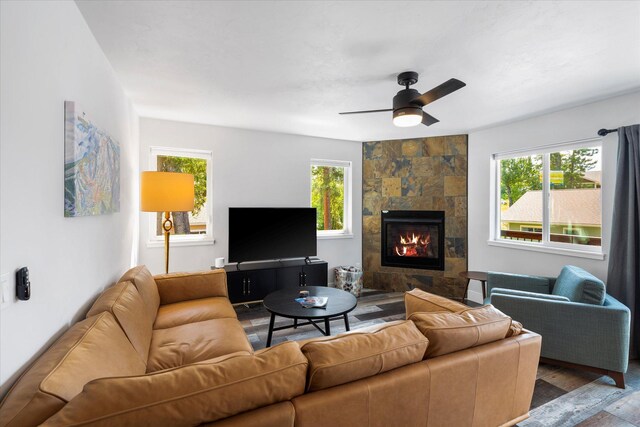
[(414, 245)]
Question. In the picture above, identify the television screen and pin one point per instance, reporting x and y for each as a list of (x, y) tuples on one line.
[(271, 233)]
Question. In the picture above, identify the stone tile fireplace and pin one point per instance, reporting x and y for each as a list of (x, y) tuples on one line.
[(427, 174)]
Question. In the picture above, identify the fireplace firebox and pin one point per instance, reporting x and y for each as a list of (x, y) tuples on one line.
[(413, 239)]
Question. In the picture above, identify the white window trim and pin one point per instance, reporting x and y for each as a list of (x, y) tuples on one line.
[(582, 251), (347, 231), (183, 240)]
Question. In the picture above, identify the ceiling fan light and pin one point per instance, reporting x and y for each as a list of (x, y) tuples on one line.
[(407, 117)]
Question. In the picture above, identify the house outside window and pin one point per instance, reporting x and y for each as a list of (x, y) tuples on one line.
[(193, 227), (331, 196), (532, 228), (550, 197)]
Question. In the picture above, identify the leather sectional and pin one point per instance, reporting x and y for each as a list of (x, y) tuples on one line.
[(169, 350)]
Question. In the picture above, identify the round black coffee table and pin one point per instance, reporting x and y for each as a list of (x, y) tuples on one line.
[(282, 303)]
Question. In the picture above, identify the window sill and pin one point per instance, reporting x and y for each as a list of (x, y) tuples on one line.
[(547, 249), (335, 236), (174, 242)]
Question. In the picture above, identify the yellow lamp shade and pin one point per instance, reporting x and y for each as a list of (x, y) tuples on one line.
[(166, 192)]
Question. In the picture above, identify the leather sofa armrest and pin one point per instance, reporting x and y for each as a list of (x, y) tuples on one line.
[(526, 294), (177, 287)]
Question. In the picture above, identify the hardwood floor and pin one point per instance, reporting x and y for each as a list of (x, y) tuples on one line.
[(562, 396), (373, 307)]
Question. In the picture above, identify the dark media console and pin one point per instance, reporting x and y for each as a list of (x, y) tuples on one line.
[(253, 281)]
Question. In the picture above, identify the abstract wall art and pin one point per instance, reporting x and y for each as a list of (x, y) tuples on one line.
[(91, 166)]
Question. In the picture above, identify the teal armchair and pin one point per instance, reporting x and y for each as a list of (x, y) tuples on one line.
[(581, 326)]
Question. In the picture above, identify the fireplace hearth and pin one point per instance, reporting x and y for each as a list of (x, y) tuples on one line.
[(413, 239)]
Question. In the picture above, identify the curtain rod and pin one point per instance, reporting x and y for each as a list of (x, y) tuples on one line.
[(604, 132)]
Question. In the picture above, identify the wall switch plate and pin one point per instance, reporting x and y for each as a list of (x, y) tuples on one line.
[(7, 290)]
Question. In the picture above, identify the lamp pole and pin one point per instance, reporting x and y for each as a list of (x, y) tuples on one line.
[(167, 225)]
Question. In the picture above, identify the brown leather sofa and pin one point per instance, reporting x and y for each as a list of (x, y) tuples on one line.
[(169, 350)]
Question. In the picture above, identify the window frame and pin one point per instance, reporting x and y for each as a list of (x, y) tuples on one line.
[(545, 245), (347, 221), (206, 238)]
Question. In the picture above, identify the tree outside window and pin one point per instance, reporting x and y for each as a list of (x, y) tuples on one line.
[(329, 195)]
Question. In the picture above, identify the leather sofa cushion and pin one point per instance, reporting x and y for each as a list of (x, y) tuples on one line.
[(125, 303), (193, 394), (419, 301), (176, 287), (579, 286), (146, 285), (88, 350), (450, 332), (181, 313), (194, 342), (356, 355)]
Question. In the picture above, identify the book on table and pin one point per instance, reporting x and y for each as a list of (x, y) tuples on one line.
[(313, 302)]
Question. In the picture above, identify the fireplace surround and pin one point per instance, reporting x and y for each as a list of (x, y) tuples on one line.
[(412, 239), (415, 174)]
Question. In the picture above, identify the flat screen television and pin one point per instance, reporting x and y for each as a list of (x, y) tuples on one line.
[(257, 234)]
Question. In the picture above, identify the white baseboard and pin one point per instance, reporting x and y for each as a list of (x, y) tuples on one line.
[(475, 296)]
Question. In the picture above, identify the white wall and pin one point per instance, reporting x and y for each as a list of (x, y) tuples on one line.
[(567, 125), (49, 55), (250, 168)]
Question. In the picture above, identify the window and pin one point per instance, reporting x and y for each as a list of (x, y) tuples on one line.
[(331, 196), (193, 227), (550, 198)]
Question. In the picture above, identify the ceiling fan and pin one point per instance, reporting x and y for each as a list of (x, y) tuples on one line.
[(408, 103)]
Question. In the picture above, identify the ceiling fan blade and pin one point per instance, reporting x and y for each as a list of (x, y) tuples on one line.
[(438, 92), (428, 119), (367, 111)]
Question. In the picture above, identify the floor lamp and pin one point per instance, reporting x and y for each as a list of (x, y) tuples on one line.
[(166, 192)]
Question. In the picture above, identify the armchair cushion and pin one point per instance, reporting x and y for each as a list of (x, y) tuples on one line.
[(520, 282), (579, 286), (504, 291)]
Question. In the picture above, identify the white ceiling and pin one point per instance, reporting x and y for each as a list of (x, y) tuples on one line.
[(292, 66)]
